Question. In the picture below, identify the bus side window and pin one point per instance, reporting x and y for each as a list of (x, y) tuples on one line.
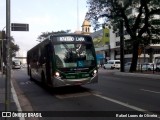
[(42, 57), (34, 58)]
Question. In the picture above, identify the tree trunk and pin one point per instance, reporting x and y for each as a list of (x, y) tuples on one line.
[(134, 57), (151, 55)]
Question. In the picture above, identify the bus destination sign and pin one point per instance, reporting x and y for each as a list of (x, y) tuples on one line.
[(71, 38)]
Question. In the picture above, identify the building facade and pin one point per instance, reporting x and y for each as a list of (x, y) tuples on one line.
[(111, 50)]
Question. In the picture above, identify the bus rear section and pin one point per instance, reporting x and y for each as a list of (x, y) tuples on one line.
[(67, 60), (16, 64)]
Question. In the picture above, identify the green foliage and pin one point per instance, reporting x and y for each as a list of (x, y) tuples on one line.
[(138, 16), (13, 48)]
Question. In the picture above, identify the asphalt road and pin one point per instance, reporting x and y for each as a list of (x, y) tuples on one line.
[(113, 95)]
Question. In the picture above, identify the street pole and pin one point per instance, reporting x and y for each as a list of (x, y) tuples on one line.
[(1, 61), (121, 46), (8, 59), (1, 57), (3, 34)]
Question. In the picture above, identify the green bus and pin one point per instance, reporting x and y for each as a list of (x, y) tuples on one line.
[(63, 60)]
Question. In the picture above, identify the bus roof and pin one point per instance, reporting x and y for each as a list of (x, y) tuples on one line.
[(50, 37), (67, 34), (64, 34)]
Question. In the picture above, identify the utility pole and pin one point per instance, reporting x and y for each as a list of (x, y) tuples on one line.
[(121, 46), (1, 52), (3, 37), (8, 59)]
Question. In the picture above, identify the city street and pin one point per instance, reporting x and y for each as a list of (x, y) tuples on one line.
[(113, 93), (112, 44)]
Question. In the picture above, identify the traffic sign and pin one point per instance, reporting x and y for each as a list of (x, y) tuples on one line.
[(19, 27)]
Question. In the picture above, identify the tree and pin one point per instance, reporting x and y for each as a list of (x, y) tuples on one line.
[(138, 16), (46, 34), (13, 48)]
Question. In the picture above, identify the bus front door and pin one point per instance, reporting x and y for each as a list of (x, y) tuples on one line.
[(48, 64)]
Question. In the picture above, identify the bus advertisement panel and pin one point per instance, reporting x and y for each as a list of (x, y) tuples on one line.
[(62, 60)]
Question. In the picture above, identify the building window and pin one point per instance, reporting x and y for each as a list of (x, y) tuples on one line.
[(156, 51), (155, 41), (83, 29), (118, 43), (107, 35), (117, 34)]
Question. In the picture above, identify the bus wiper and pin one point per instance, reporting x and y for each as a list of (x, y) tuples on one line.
[(66, 47)]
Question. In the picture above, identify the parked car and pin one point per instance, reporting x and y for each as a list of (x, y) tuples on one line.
[(128, 65), (112, 64), (157, 69), (148, 66)]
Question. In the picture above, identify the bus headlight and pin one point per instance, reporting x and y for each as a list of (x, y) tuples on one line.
[(95, 71), (57, 74)]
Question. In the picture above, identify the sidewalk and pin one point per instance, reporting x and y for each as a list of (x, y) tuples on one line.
[(12, 106), (144, 74)]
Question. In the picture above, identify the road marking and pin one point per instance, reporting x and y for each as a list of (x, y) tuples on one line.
[(63, 96), (26, 83), (16, 100), (126, 105), (78, 94), (120, 103), (150, 91)]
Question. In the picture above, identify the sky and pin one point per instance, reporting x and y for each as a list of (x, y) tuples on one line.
[(42, 16)]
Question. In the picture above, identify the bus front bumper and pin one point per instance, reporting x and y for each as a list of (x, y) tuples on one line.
[(58, 82)]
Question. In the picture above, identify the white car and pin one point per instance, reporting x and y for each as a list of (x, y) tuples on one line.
[(128, 65), (148, 66), (16, 64), (112, 64), (157, 68)]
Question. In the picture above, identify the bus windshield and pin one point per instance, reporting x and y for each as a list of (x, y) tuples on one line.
[(74, 55)]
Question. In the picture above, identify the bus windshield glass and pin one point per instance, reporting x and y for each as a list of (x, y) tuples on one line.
[(74, 55)]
